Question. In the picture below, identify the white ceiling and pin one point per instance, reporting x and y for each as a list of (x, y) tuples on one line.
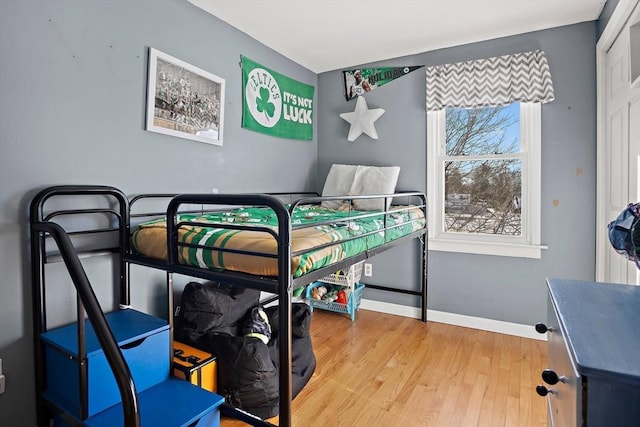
[(325, 35)]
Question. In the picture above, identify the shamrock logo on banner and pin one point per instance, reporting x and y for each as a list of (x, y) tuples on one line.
[(264, 105)]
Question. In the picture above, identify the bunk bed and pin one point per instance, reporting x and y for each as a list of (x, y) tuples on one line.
[(284, 263)]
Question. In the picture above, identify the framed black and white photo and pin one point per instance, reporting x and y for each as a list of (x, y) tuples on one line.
[(183, 100)]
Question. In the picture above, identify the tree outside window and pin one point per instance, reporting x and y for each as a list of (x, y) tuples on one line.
[(483, 170)]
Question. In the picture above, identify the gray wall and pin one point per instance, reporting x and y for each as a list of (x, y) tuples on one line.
[(73, 84), (500, 288)]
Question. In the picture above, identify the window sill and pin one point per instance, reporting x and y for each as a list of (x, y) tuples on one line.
[(487, 248)]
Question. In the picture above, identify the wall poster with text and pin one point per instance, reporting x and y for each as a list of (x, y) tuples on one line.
[(275, 104)]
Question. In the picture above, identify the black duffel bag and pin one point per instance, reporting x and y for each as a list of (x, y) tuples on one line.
[(303, 360), (212, 307), (247, 377)]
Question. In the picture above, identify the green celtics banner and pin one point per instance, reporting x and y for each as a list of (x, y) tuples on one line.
[(275, 104), (361, 80)]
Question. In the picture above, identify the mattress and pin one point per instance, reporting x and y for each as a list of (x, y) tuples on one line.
[(209, 236)]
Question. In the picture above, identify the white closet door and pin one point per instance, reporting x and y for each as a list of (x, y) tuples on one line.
[(634, 155), (621, 148), (620, 168)]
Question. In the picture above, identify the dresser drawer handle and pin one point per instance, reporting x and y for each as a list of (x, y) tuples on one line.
[(543, 391), (542, 328), (550, 377)]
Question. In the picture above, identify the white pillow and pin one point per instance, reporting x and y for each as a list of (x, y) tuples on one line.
[(338, 183), (357, 180), (374, 180)]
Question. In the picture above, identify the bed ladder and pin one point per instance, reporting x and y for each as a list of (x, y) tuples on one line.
[(163, 400)]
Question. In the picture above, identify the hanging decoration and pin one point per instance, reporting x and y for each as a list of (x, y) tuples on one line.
[(362, 119), (361, 80), (275, 104)]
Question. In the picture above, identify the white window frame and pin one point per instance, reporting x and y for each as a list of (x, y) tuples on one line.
[(525, 246)]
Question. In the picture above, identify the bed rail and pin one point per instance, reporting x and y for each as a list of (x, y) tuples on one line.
[(410, 200)]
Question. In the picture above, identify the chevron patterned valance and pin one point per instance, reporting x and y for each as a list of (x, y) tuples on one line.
[(500, 80)]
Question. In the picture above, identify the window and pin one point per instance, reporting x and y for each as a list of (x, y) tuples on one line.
[(484, 180), (483, 153)]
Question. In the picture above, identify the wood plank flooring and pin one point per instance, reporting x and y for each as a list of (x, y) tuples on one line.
[(385, 370)]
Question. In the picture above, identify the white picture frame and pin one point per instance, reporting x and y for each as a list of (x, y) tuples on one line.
[(183, 100)]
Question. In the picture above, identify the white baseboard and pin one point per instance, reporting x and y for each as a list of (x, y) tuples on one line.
[(516, 329)]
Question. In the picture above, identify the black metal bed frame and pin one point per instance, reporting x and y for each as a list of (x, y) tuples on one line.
[(43, 228)]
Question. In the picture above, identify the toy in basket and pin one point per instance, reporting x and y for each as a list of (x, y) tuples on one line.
[(338, 292)]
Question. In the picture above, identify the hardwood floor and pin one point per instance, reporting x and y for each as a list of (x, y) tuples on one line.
[(385, 370)]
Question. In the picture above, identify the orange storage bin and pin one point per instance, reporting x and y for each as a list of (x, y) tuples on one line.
[(194, 365)]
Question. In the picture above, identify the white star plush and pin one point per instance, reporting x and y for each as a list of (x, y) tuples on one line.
[(362, 120)]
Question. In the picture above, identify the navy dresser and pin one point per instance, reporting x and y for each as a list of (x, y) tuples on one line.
[(593, 375)]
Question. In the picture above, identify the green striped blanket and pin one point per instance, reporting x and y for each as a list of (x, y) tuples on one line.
[(150, 237)]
